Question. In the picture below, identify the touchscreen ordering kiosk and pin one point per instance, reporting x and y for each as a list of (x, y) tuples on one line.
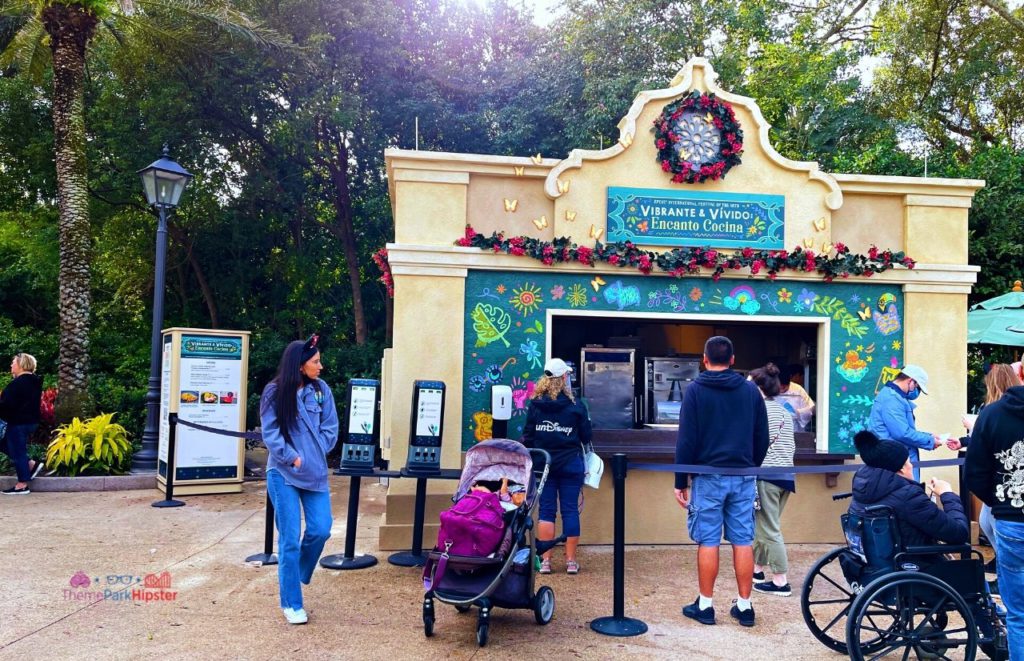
[(360, 440), (426, 427)]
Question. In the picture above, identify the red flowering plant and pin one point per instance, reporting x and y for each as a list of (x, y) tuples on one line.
[(692, 260), (698, 138), (380, 258)]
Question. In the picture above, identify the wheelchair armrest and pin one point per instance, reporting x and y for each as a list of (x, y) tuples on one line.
[(937, 548)]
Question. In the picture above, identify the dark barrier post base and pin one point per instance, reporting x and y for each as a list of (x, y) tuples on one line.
[(168, 503), (267, 557), (349, 559), (618, 626), (414, 557), (263, 558), (339, 561)]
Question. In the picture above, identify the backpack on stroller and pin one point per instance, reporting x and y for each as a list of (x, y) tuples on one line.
[(504, 577)]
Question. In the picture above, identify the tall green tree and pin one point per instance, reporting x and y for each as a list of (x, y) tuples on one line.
[(69, 27)]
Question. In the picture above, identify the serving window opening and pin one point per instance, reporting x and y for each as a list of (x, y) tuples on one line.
[(632, 369)]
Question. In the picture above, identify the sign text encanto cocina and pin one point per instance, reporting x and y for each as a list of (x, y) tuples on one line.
[(681, 218)]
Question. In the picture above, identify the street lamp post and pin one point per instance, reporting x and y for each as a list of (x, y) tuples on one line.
[(163, 181)]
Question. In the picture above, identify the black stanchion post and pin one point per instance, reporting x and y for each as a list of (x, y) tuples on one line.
[(414, 557), (267, 557), (349, 560), (618, 624), (168, 501)]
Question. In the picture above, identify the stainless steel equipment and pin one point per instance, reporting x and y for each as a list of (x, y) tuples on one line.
[(662, 372), (608, 386)]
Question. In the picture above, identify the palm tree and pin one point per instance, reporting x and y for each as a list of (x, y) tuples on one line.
[(69, 27)]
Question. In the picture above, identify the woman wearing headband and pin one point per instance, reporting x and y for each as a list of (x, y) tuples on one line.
[(300, 426)]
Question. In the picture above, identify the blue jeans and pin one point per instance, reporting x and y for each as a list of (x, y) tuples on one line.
[(295, 561), (722, 501), (15, 446), (1010, 570), (563, 489)]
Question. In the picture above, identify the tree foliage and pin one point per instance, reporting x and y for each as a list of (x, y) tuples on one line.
[(287, 143)]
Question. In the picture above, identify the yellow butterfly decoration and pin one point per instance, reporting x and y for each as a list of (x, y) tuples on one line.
[(685, 154), (809, 242), (597, 283), (864, 313), (595, 232), (826, 247), (483, 425), (708, 119), (626, 140), (537, 159), (563, 186), (541, 222), (819, 224), (570, 215), (511, 205), (519, 170)]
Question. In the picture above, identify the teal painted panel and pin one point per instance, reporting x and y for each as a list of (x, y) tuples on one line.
[(506, 314)]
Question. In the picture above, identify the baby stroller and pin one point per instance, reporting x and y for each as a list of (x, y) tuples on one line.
[(506, 578)]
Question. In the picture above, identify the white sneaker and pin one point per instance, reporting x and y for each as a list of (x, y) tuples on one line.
[(295, 616)]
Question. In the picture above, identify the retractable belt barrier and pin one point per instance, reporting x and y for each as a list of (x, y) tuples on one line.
[(415, 557), (618, 624)]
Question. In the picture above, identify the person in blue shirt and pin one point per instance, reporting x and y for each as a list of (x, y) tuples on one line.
[(892, 414), (300, 426)]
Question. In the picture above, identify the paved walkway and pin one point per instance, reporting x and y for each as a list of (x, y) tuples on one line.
[(227, 609)]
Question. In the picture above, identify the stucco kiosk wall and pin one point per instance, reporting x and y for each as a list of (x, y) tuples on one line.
[(435, 195)]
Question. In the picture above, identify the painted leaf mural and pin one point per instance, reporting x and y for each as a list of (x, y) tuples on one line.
[(864, 350), (490, 323)]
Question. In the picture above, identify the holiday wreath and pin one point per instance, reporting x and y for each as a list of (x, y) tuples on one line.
[(698, 138)]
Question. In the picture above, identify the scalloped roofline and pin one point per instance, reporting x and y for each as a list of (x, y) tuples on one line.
[(682, 84)]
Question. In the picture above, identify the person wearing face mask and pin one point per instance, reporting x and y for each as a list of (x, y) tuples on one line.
[(892, 414)]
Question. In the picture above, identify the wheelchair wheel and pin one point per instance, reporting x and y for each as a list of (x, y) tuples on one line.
[(910, 615), (825, 601)]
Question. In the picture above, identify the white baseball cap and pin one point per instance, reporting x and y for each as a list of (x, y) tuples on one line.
[(918, 374), (556, 367)]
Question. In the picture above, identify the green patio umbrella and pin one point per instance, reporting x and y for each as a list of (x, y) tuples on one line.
[(998, 320)]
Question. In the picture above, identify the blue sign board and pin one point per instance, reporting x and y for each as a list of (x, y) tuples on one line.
[(690, 218)]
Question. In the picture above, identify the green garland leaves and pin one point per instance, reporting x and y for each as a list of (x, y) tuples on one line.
[(679, 262)]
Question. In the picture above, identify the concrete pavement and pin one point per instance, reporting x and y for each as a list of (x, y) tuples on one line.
[(223, 608)]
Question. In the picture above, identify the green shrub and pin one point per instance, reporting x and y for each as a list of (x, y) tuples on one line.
[(96, 446)]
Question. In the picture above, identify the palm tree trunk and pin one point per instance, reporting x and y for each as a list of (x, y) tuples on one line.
[(70, 28)]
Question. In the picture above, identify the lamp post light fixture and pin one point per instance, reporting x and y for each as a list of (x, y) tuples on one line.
[(163, 182)]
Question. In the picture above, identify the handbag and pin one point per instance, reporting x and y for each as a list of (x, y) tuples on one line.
[(594, 467)]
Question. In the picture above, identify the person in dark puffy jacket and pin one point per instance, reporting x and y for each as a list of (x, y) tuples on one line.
[(887, 478), (555, 422)]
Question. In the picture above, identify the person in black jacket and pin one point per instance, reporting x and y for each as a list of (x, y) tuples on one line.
[(557, 423), (19, 408), (723, 423), (995, 473), (887, 478)]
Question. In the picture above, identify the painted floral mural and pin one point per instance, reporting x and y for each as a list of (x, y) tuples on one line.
[(506, 317)]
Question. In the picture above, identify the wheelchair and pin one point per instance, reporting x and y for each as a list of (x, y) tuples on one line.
[(876, 598)]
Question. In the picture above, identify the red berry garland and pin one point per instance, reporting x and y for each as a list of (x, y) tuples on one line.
[(698, 138)]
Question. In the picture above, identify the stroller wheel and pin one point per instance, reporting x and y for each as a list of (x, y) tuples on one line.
[(481, 633), (463, 609), (544, 605), (428, 626)]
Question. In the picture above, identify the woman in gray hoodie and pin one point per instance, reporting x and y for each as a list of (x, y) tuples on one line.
[(300, 426)]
